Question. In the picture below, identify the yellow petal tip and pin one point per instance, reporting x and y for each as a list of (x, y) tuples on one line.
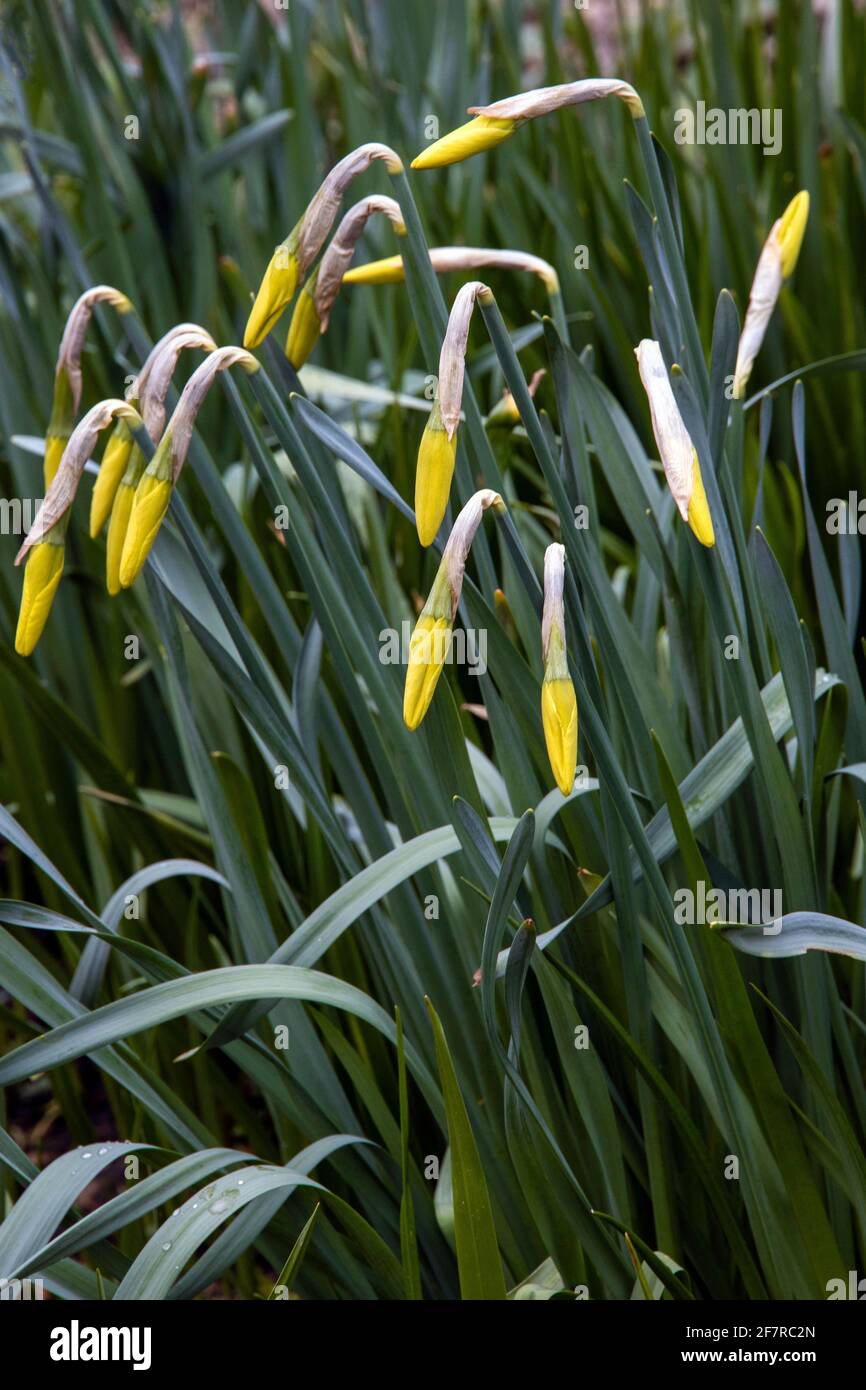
[(559, 720), (149, 507), (304, 331), (481, 133), (699, 512), (41, 577), (274, 294), (433, 474), (428, 648), (792, 229)]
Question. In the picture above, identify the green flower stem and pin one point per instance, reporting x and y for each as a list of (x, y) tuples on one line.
[(697, 361)]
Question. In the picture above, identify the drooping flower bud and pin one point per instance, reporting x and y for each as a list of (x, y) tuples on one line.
[(153, 494), (428, 646), (391, 271), (115, 457), (150, 389), (313, 310), (67, 373), (480, 134), (154, 379), (292, 259), (494, 123), (44, 544), (438, 448)]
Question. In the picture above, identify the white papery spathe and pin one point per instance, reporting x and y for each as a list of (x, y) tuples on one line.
[(676, 450), (764, 293)]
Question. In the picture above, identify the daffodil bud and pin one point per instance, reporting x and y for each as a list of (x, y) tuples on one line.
[(792, 229), (677, 453), (505, 412), (67, 373), (275, 291), (43, 546), (60, 495), (388, 271), (115, 457), (149, 390), (444, 259), (338, 256), (480, 134), (306, 326), (313, 309), (153, 493), (428, 646), (433, 473), (438, 450), (776, 264), (558, 701), (41, 578), (494, 123), (292, 259), (119, 521), (149, 506)]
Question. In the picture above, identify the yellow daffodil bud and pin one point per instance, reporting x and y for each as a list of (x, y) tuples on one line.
[(44, 543), (428, 647), (388, 271), (305, 328), (153, 494), (776, 263), (481, 133), (505, 411), (677, 453), (699, 512), (494, 123), (433, 473), (445, 259), (558, 700), (439, 443), (49, 525), (327, 279), (559, 719), (41, 577), (274, 293), (112, 468), (118, 526), (54, 446), (149, 507), (292, 259), (119, 520), (792, 229)]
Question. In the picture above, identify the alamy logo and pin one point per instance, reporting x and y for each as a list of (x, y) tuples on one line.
[(846, 516), (852, 1288), (77, 1343), (21, 1290), (463, 647), (742, 907), (738, 126), (17, 514)]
